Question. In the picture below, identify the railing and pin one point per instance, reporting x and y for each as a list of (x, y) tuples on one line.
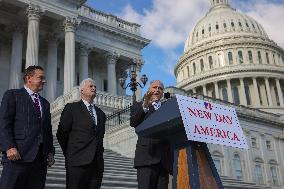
[(118, 118), (102, 99), (108, 19)]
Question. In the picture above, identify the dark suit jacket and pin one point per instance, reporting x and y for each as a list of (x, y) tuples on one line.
[(149, 151), (77, 137), (21, 125)]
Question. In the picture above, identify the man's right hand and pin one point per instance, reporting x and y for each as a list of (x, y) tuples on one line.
[(13, 154), (147, 98)]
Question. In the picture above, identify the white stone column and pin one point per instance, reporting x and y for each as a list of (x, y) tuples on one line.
[(268, 92), (243, 93), (33, 13), (51, 70), (256, 94), (229, 88), (279, 91), (69, 57), (16, 57), (84, 62), (111, 73), (216, 90), (204, 90)]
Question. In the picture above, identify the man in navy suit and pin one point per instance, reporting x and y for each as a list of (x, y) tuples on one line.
[(153, 157), (80, 134), (26, 134)]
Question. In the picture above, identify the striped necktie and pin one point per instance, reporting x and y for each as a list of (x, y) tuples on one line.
[(36, 101), (90, 107)]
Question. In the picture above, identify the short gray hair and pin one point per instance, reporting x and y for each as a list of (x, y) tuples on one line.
[(161, 83), (83, 83)]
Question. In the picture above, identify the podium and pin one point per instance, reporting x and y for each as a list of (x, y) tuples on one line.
[(193, 166)]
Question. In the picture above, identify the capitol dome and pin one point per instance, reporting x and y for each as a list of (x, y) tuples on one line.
[(228, 55)]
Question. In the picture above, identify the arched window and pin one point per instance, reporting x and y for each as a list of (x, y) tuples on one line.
[(202, 31), (230, 57), (225, 25), (241, 58), (217, 26), (210, 59), (236, 95), (194, 68), (225, 94), (217, 158), (201, 65), (238, 166), (259, 57), (274, 173), (267, 58), (247, 92), (240, 24), (232, 24), (258, 174), (188, 73), (250, 57), (258, 171), (274, 59)]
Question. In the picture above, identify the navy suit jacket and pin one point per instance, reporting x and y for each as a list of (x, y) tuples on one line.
[(21, 125)]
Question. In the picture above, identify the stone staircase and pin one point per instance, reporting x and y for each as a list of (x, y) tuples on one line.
[(118, 174)]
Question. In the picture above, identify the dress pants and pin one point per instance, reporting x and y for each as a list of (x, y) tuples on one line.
[(84, 177), (20, 175), (152, 177)]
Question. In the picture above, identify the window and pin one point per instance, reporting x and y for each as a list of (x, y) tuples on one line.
[(225, 94), (105, 85), (241, 58), (250, 57), (217, 163), (202, 31), (230, 57), (188, 73), (225, 25), (77, 79), (247, 25), (258, 174), (268, 145), (201, 65), (267, 58), (247, 93), (232, 24), (274, 59), (259, 57), (58, 74), (238, 166), (253, 142), (217, 26), (273, 170), (194, 68), (236, 95), (240, 24), (209, 29), (23, 65), (210, 59)]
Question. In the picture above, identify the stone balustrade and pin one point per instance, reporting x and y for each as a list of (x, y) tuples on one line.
[(108, 19), (102, 99)]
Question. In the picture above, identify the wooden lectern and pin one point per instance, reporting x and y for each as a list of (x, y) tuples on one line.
[(193, 165)]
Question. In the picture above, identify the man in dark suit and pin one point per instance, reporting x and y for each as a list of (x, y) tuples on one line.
[(26, 134), (80, 134), (153, 157)]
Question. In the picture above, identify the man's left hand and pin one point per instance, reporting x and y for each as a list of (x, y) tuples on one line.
[(50, 160)]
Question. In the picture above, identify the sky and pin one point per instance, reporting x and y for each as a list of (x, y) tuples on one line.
[(167, 24)]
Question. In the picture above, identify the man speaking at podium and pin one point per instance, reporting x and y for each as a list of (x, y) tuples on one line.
[(153, 157)]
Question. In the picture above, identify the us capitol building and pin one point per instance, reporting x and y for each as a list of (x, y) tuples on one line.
[(228, 59)]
